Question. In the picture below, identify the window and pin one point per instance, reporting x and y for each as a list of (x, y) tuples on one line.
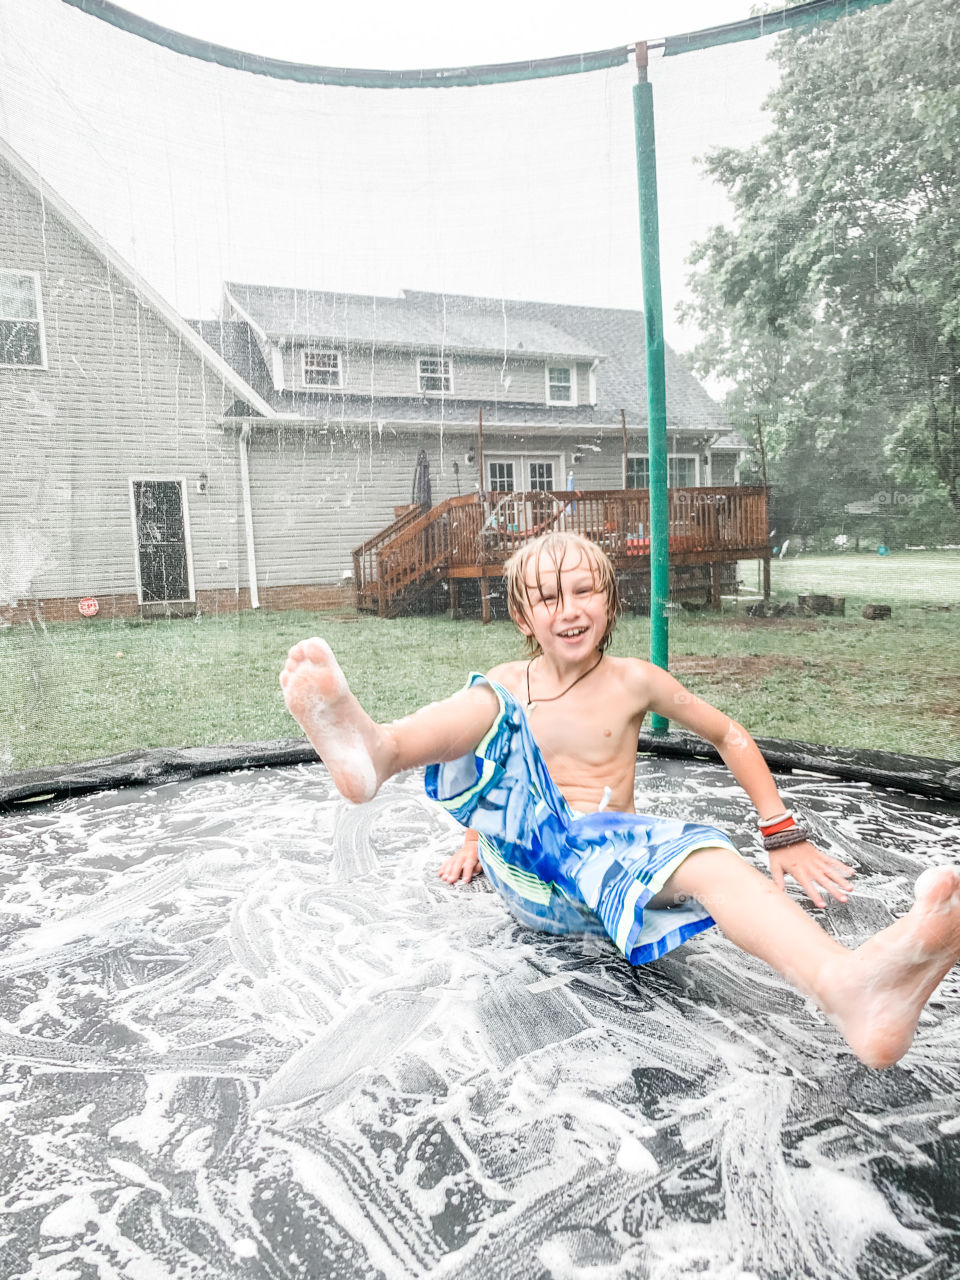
[(508, 473), (434, 375), (321, 369), (21, 320), (541, 476), (561, 384), (681, 471), (638, 472), (501, 477)]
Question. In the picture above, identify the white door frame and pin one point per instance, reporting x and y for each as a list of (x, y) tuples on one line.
[(520, 461), (188, 545)]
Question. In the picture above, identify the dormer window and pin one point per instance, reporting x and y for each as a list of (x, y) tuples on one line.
[(434, 375), (561, 384), (321, 369), (21, 320)]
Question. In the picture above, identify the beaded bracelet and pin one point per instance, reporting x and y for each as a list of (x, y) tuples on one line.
[(794, 834)]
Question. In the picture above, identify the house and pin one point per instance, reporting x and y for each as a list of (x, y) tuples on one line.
[(538, 395), (119, 481), (153, 466)]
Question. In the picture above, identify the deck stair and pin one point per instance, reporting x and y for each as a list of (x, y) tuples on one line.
[(472, 536)]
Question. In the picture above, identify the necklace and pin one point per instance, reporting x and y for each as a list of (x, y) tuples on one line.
[(532, 706)]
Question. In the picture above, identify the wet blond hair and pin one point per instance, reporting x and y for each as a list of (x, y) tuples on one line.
[(552, 550)]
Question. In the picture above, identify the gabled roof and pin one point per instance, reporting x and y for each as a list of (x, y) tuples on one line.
[(479, 324), (144, 291), (415, 321), (236, 343)]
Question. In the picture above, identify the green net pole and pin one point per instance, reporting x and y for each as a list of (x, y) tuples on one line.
[(656, 376)]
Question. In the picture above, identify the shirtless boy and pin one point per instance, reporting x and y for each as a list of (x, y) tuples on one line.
[(571, 852)]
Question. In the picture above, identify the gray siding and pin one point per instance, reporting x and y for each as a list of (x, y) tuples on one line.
[(390, 372), (316, 495), (121, 397)]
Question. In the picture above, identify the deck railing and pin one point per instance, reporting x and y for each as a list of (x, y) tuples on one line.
[(475, 534), (366, 557)]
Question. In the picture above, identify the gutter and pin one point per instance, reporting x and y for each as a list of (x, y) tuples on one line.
[(583, 428), (248, 514), (365, 343)]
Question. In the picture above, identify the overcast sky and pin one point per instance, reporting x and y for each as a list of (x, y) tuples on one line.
[(198, 174)]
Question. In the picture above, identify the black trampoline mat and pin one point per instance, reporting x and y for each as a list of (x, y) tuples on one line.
[(247, 1032)]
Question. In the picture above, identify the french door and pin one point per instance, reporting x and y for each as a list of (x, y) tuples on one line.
[(512, 473)]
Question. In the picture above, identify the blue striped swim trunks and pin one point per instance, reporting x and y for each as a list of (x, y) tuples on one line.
[(558, 871)]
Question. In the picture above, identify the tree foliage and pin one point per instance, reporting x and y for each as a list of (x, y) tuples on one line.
[(833, 302)]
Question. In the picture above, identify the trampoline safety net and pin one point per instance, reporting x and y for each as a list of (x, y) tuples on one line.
[(289, 350)]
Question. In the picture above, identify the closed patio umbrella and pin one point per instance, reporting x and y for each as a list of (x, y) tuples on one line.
[(421, 481)]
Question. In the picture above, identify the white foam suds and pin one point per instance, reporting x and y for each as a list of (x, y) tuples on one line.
[(246, 1023)]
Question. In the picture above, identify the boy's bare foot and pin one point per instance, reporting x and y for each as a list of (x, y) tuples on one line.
[(348, 742), (876, 994)]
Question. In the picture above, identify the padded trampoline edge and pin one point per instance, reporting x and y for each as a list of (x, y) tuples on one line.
[(920, 775)]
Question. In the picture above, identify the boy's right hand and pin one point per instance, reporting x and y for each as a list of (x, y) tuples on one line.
[(463, 865)]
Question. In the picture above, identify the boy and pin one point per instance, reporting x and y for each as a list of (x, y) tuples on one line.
[(539, 758)]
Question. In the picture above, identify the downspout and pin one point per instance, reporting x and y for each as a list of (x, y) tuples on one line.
[(248, 514)]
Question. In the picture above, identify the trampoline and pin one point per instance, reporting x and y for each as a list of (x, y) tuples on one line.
[(247, 1031)]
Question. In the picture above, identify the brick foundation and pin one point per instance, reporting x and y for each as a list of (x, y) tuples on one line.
[(310, 598), (64, 609), (126, 605)]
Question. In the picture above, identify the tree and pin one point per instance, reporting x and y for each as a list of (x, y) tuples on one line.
[(833, 303)]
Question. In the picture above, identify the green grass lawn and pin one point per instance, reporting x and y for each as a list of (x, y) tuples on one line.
[(76, 691), (908, 577)]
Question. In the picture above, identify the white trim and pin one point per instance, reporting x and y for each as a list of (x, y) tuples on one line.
[(444, 373), (187, 540), (144, 292), (320, 386), (572, 370), (550, 428), (38, 303), (592, 383)]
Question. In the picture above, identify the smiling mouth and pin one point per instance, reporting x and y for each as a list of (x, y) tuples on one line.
[(573, 633)]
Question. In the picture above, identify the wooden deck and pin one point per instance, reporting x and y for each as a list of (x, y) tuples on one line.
[(471, 537)]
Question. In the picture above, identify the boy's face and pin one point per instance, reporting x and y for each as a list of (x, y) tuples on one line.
[(566, 613)]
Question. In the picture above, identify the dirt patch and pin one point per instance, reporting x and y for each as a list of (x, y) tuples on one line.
[(753, 666)]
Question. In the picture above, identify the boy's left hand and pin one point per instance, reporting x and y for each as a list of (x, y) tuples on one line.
[(812, 870), (461, 866)]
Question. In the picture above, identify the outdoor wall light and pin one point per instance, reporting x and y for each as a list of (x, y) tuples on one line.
[(471, 457)]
